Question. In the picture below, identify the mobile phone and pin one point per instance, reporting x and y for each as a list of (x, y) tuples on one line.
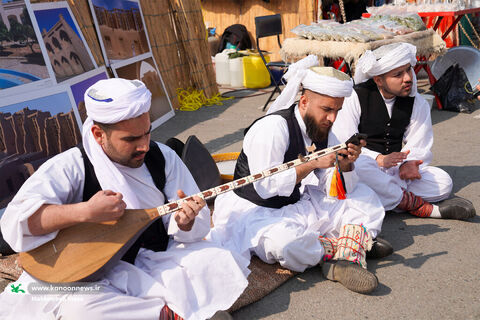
[(355, 139)]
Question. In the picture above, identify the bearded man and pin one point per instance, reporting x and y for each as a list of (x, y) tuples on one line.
[(395, 162), (289, 217)]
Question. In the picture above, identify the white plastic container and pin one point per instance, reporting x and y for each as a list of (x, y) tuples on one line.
[(222, 68), (236, 72), (429, 99)]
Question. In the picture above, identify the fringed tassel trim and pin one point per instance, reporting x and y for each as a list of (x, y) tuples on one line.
[(338, 188)]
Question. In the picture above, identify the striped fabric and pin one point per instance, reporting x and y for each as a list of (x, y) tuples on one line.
[(415, 205), (167, 314), (353, 243)]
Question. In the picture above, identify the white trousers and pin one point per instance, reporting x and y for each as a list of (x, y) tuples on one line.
[(290, 234), (435, 184), (193, 279)]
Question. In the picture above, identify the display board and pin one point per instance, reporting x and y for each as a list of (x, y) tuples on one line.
[(67, 50), (22, 61), (123, 37), (45, 68), (33, 129), (120, 28)]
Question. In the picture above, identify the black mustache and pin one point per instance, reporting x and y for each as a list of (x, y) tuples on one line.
[(136, 154)]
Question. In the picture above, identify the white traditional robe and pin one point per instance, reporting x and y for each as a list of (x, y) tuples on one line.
[(290, 234), (435, 184), (194, 277)]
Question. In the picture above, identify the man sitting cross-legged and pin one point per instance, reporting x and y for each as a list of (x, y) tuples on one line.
[(395, 163), (289, 217)]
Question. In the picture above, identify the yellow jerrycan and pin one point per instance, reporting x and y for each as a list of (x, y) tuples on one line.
[(255, 73)]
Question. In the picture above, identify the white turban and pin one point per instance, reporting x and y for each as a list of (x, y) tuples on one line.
[(302, 72), (111, 101), (385, 59)]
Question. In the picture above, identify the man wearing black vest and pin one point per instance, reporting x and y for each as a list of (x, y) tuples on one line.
[(170, 271), (289, 217), (386, 105)]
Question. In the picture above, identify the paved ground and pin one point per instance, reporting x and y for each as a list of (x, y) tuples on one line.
[(434, 272)]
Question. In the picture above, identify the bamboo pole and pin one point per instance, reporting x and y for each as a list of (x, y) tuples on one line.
[(192, 32)]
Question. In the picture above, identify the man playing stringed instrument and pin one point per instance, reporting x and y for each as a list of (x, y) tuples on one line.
[(395, 163), (290, 218), (169, 271)]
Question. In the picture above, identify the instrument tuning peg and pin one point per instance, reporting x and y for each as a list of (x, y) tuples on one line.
[(301, 158), (311, 148)]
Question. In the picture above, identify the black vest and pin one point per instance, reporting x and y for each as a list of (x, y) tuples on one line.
[(296, 147), (155, 237), (385, 134)]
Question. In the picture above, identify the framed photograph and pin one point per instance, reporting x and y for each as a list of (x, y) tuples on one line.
[(84, 82), (120, 28), (34, 128), (22, 61), (146, 70), (67, 50)]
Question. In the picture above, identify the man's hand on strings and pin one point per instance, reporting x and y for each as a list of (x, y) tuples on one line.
[(392, 159), (324, 162), (410, 170), (105, 205), (185, 217)]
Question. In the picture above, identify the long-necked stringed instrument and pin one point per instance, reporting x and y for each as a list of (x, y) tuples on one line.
[(84, 252)]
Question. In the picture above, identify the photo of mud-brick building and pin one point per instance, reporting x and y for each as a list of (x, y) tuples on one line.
[(121, 28), (146, 71), (67, 52), (29, 137)]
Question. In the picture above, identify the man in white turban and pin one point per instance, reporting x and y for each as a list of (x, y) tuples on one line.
[(170, 271), (289, 217), (386, 106)]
